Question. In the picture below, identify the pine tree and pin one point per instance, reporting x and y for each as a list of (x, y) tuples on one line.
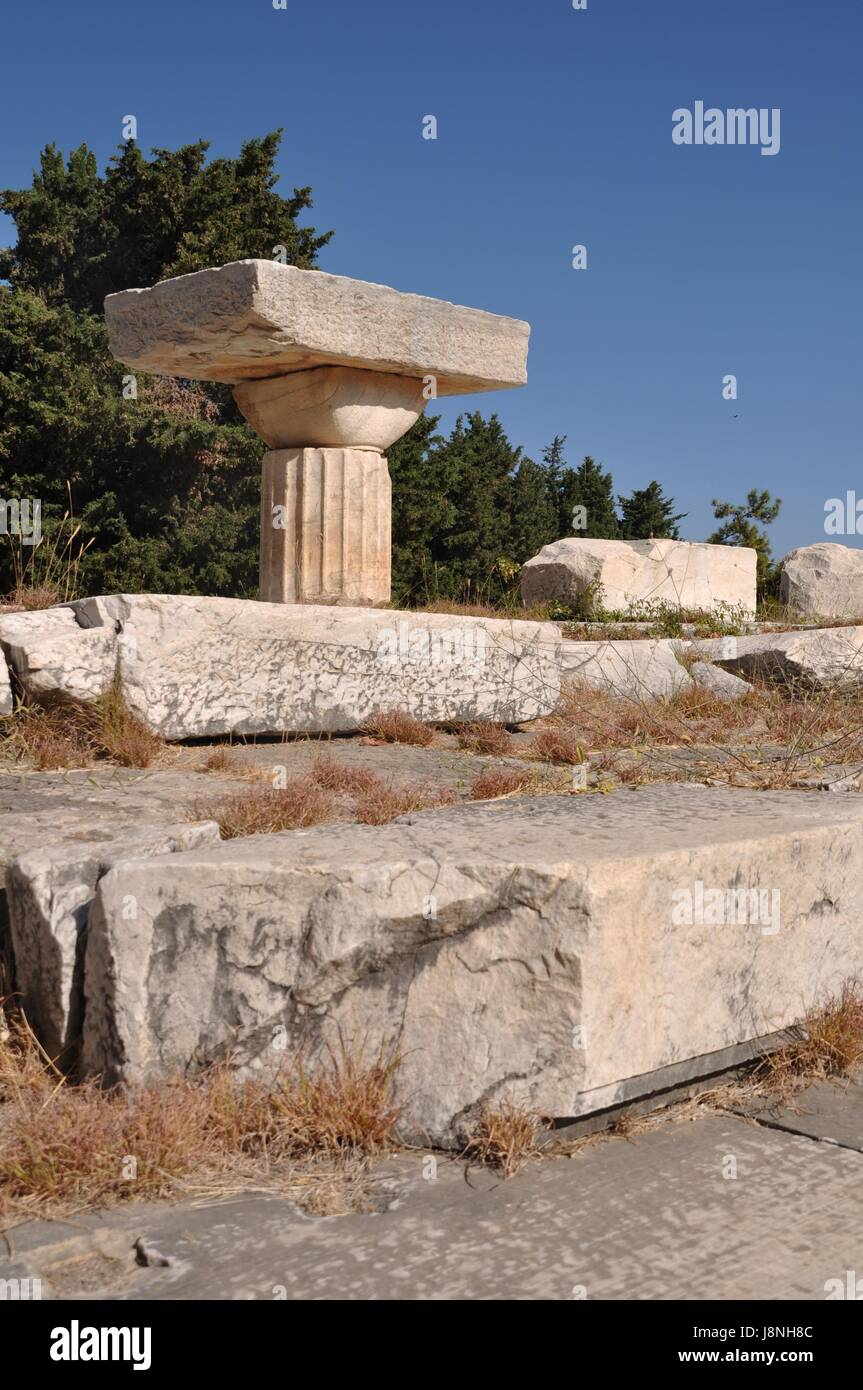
[(648, 513), (742, 525), (588, 486), (422, 508)]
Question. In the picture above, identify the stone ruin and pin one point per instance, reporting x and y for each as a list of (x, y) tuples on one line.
[(528, 949), (329, 372)]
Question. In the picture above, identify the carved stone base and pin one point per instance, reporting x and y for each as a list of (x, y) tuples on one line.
[(325, 527)]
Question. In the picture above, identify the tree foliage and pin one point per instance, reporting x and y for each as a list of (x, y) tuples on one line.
[(647, 513), (743, 525)]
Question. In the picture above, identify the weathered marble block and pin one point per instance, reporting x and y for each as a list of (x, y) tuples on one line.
[(682, 574), (196, 667), (824, 580), (566, 953)]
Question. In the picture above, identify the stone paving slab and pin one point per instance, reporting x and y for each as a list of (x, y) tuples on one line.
[(650, 1219), (831, 1112), (37, 808)]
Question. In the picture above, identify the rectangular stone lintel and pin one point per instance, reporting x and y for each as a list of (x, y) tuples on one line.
[(259, 318)]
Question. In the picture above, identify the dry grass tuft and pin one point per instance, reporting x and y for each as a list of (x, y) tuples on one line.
[(345, 1106), (826, 1044), (394, 726), (226, 760), (506, 1137), (510, 607), (387, 800), (560, 746), (600, 720), (68, 1147), (46, 739), (770, 739), (30, 597), (339, 777), (486, 737), (267, 810), (118, 733), (322, 795), (503, 781), (219, 759), (75, 733), (496, 782)]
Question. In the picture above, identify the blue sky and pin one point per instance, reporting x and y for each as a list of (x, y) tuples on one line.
[(554, 128)]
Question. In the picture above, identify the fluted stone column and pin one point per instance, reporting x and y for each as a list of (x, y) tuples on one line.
[(325, 527), (326, 530)]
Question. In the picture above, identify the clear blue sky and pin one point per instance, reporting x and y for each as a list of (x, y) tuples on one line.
[(554, 129)]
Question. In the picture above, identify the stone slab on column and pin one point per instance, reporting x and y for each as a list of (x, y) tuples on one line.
[(261, 319), (325, 527), (329, 367)]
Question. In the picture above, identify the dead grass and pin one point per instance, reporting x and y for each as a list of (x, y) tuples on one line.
[(46, 740), (827, 1044), (537, 612), (67, 1147), (601, 720), (118, 733), (260, 810), (48, 572), (339, 777), (506, 1137), (383, 803), (30, 597), (328, 792), (498, 782), (484, 736), (769, 740), (560, 746), (394, 726), (219, 759), (227, 760), (74, 733), (344, 1106)]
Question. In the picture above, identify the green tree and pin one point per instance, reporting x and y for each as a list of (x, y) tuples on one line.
[(648, 513), (167, 483), (82, 236), (586, 486), (422, 483), (742, 525), (533, 515), (593, 489), (478, 462)]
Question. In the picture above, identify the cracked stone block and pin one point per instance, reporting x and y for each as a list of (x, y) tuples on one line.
[(194, 667), (49, 893), (821, 658), (40, 621), (77, 664), (718, 681), (635, 669), (563, 953), (626, 574), (256, 318)]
